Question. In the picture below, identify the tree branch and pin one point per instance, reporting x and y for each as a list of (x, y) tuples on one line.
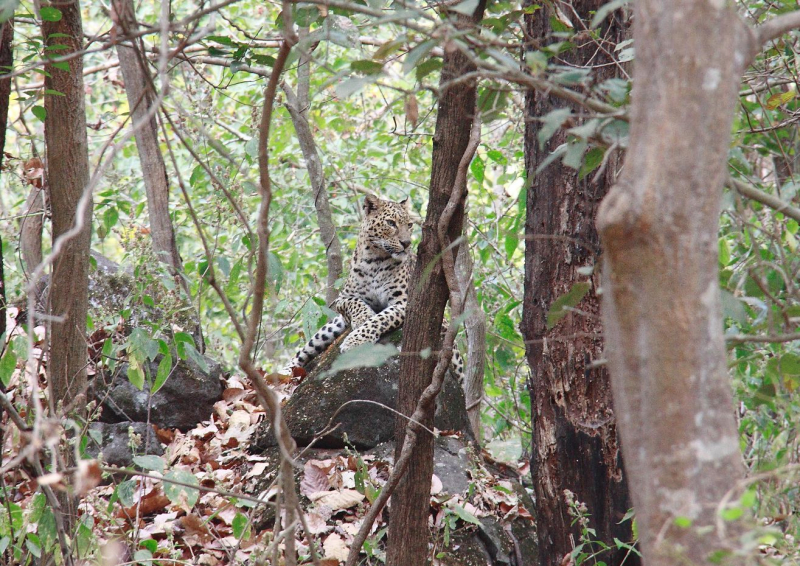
[(776, 27), (766, 199)]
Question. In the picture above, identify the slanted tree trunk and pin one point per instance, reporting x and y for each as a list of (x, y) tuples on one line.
[(408, 525), (575, 445), (141, 97), (297, 105), (475, 327), (68, 176), (661, 300)]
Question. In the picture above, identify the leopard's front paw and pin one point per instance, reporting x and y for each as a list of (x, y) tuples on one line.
[(353, 340)]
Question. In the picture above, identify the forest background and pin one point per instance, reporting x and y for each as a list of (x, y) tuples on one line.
[(366, 80)]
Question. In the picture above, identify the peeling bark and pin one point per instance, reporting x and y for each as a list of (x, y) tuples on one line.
[(575, 444)]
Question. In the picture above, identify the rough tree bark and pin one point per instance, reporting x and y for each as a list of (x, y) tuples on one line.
[(661, 301), (68, 175), (408, 525), (575, 444), (141, 97)]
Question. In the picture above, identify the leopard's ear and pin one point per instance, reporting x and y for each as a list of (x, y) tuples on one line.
[(372, 204), (406, 201)]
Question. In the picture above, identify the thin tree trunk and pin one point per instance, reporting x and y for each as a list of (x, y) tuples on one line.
[(661, 300), (31, 226), (475, 327), (141, 97), (575, 444), (408, 525), (68, 176), (297, 105)]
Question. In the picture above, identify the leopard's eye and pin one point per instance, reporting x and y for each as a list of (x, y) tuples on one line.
[(391, 223), (410, 224)]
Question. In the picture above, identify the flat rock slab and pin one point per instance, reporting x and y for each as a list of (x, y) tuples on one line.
[(363, 424)]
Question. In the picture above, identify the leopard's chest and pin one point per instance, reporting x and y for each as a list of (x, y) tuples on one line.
[(381, 283)]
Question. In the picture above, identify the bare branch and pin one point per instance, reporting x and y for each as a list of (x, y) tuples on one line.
[(766, 199), (776, 27)]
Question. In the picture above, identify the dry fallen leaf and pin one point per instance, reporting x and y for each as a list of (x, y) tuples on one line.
[(315, 479), (335, 547), (338, 500), (436, 485), (316, 523), (88, 476)]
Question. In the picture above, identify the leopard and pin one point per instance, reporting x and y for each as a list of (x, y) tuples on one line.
[(373, 300)]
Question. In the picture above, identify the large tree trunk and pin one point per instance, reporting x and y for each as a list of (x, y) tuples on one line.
[(575, 444), (408, 525), (139, 91), (661, 303), (68, 176)]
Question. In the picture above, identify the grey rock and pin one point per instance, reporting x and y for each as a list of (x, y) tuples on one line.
[(186, 399), (115, 442), (366, 424)]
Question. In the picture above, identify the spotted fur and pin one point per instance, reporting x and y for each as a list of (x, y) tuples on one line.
[(374, 297)]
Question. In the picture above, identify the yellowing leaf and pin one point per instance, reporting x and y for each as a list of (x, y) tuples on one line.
[(780, 99)]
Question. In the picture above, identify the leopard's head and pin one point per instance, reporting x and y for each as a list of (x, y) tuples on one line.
[(387, 226)]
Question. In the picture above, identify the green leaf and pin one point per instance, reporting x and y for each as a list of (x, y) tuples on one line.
[(511, 244), (732, 513), (478, 169), (465, 515), (603, 12), (427, 67), (143, 556), (125, 491), (50, 14), (164, 369), (174, 491), (62, 65), (367, 67), (221, 39), (149, 544), (33, 545), (466, 7), (573, 158), (239, 525), (135, 374), (110, 217), (570, 299), (352, 86), (416, 55), (7, 366), (592, 161), (7, 8), (39, 112), (365, 355), (142, 345), (154, 463), (46, 529), (551, 122), (53, 92)]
